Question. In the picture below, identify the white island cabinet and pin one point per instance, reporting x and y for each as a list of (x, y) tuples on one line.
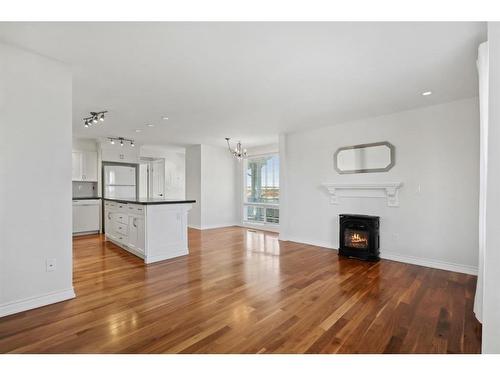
[(153, 230)]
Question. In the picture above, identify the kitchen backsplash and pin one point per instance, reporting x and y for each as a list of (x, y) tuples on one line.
[(84, 189)]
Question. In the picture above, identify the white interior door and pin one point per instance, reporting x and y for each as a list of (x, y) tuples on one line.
[(157, 178)]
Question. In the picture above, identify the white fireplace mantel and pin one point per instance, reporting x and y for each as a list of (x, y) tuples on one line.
[(390, 191)]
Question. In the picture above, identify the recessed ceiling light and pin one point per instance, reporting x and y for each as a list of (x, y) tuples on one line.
[(138, 130), (150, 125), (164, 118), (426, 93)]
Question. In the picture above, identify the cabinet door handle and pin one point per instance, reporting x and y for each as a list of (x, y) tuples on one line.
[(133, 222), (109, 215)]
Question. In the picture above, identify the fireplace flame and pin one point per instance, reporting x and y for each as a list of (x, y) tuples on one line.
[(357, 238)]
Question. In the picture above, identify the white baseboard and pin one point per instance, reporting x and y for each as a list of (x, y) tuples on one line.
[(166, 256), (426, 262), (265, 228), (311, 242), (215, 226), (14, 307), (432, 263)]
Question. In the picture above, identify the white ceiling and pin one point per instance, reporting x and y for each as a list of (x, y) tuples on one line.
[(251, 81)]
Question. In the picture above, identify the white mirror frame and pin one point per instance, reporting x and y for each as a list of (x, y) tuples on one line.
[(366, 145)]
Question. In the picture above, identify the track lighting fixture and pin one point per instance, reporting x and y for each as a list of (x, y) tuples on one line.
[(94, 118), (238, 152), (122, 141)]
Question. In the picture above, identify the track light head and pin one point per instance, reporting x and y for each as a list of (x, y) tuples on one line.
[(94, 118), (121, 141)]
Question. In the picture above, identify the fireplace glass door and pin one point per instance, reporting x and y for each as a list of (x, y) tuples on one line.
[(356, 239)]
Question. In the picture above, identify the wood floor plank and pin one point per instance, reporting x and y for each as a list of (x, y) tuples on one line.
[(243, 291)]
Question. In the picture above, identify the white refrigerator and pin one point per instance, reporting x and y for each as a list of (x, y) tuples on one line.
[(120, 181)]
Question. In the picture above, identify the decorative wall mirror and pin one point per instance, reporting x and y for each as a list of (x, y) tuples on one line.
[(365, 158)]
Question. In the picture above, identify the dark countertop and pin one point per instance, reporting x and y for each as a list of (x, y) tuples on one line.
[(83, 198), (147, 201)]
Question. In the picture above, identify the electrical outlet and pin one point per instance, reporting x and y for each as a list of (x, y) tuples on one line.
[(50, 264)]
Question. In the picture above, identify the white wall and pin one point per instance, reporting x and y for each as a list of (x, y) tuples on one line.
[(264, 149), (211, 180), (35, 147), (84, 144), (175, 168), (218, 187), (437, 158), (491, 295)]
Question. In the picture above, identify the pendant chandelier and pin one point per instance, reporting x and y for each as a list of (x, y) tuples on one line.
[(238, 152)]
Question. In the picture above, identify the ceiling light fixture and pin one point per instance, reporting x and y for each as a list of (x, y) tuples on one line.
[(164, 118), (122, 141), (238, 152), (94, 118), (427, 93), (138, 130), (151, 125)]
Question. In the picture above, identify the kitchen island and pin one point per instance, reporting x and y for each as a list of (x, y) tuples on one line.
[(152, 229)]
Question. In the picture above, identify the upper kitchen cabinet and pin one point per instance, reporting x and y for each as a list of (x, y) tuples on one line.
[(84, 166)]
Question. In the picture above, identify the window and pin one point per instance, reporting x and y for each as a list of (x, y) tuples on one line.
[(262, 190)]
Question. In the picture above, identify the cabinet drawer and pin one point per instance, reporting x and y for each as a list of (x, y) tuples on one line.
[(117, 237), (120, 229), (120, 238), (135, 209), (119, 217), (122, 207), (110, 204)]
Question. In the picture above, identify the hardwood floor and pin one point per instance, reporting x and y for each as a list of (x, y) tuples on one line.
[(241, 291)]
